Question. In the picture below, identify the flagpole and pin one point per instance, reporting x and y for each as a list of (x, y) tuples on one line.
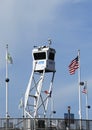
[(86, 100), (79, 80), (7, 80)]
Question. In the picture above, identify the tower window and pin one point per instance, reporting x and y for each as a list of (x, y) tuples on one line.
[(51, 56), (40, 56)]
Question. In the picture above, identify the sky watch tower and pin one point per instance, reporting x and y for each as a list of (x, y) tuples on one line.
[(39, 90)]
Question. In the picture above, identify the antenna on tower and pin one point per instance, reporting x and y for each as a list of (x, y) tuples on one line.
[(49, 42)]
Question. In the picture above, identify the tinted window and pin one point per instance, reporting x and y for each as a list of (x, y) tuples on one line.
[(51, 56), (40, 56)]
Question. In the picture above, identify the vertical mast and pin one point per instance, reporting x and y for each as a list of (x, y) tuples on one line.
[(7, 80), (86, 100), (79, 80)]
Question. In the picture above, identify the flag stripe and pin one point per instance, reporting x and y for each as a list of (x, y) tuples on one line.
[(73, 65)]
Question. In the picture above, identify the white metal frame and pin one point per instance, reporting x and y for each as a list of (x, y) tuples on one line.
[(35, 100)]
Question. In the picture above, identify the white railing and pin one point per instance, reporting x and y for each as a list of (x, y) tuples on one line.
[(43, 124)]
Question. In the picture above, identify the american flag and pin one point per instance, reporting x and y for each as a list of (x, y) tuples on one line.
[(84, 90), (74, 65), (46, 92)]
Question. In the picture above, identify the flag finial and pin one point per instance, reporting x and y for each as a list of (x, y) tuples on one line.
[(7, 46), (49, 42)]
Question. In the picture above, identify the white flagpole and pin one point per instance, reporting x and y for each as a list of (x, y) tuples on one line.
[(79, 80), (7, 80), (86, 100)]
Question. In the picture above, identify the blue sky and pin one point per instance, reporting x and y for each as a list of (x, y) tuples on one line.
[(24, 24)]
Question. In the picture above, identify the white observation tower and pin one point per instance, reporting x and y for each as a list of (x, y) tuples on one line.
[(37, 96)]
